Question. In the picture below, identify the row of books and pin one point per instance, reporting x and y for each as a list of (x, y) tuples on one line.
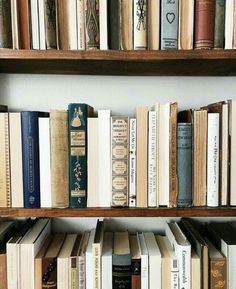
[(130, 24), (189, 255), (160, 157)]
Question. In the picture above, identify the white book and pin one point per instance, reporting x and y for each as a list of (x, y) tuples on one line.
[(182, 250), (152, 186), (140, 24), (80, 25), (229, 23), (82, 261), (42, 29), (45, 163), (213, 159), (157, 109), (72, 24), (17, 199), (154, 261), (103, 24), (29, 247), (89, 261), (14, 24), (153, 24), (34, 16), (63, 262), (92, 163), (144, 261), (104, 158), (107, 261), (232, 133), (132, 162)]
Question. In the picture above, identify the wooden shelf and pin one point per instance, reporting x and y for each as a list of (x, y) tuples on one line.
[(121, 212), (194, 62)]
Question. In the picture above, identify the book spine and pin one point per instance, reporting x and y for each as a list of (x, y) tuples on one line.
[(114, 27), (213, 160), (78, 114), (126, 29), (73, 273), (92, 24), (132, 163), (218, 274), (14, 21), (219, 31), (103, 24), (119, 141), (49, 273), (72, 24), (184, 150), (81, 24), (96, 267), (136, 274), (225, 155), (82, 270), (152, 187), (50, 24), (5, 24), (30, 159), (140, 24), (3, 270), (204, 24), (34, 16), (24, 24), (234, 23), (229, 23), (153, 24), (41, 23), (174, 280), (169, 24), (121, 272)]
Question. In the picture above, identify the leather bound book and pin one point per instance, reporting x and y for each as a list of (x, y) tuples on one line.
[(5, 24), (204, 24), (92, 24), (24, 23), (219, 33), (50, 24), (114, 27)]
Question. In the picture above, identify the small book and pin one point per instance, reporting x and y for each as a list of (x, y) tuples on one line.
[(107, 250), (135, 262)]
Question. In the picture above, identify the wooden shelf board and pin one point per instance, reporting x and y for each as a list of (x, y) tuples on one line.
[(179, 62), (121, 212)]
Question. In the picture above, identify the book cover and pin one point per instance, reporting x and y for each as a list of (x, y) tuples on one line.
[(219, 31), (50, 24), (114, 24), (92, 37), (140, 24), (73, 264), (78, 115), (132, 162), (5, 24)]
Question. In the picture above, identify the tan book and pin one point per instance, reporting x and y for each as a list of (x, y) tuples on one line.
[(153, 24), (59, 158), (5, 186), (126, 24), (186, 20), (196, 270), (142, 156), (3, 269)]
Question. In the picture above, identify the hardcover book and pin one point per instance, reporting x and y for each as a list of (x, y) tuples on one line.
[(132, 162), (81, 24), (92, 24), (114, 24), (50, 24), (126, 24), (23, 7), (219, 31), (34, 24), (153, 17), (140, 24), (5, 24), (135, 262)]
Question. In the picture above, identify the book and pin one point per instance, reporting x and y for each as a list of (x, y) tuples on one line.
[(132, 162), (3, 269), (78, 114), (229, 24), (23, 7), (114, 24), (144, 261), (81, 24), (234, 21), (204, 24), (135, 262), (153, 24), (106, 260), (82, 260), (14, 24), (169, 24), (196, 270), (92, 37), (232, 156), (140, 25), (121, 261), (73, 264), (89, 261), (59, 158), (41, 23), (119, 159), (219, 30), (126, 27), (103, 24), (34, 24), (5, 24), (50, 24)]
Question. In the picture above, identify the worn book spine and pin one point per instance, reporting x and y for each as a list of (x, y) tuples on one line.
[(50, 24), (169, 24), (62, 21), (132, 162), (114, 24), (15, 21), (126, 27), (5, 24), (204, 24), (121, 271), (219, 31), (82, 272), (136, 273), (140, 24), (119, 147), (218, 274), (30, 158), (24, 24), (92, 24), (78, 114), (184, 156)]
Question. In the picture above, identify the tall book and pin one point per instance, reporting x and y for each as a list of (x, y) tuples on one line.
[(229, 23), (74, 264), (219, 31), (5, 24), (120, 154), (82, 260), (169, 24), (114, 24), (107, 260), (204, 24), (132, 162), (186, 24), (81, 24), (144, 261), (92, 24), (89, 261), (154, 7), (50, 24), (24, 24), (196, 270), (42, 26), (34, 21), (78, 115), (126, 24), (14, 23), (103, 24), (135, 262), (5, 182), (59, 158), (140, 25)]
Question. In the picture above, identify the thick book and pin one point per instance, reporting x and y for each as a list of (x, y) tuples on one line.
[(135, 253), (23, 7), (169, 24), (184, 164), (5, 24), (50, 24), (132, 162), (30, 157), (114, 24), (107, 260), (204, 24), (140, 25), (120, 154), (92, 38), (78, 122), (126, 26), (219, 30), (154, 10)]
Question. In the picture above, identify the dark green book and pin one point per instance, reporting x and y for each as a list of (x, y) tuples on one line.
[(219, 33), (184, 167), (5, 24), (113, 9), (78, 114)]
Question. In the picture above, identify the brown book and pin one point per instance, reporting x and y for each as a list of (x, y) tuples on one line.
[(5, 24), (135, 262), (204, 24), (24, 23), (3, 269), (59, 158), (62, 24), (126, 24), (92, 24)]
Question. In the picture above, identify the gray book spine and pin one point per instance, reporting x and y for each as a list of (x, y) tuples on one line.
[(219, 33), (184, 151), (50, 24), (169, 24)]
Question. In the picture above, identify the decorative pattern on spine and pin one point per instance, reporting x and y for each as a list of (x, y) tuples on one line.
[(140, 24), (92, 24)]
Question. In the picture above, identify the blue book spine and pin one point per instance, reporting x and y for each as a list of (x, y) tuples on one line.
[(30, 159), (184, 151), (78, 114)]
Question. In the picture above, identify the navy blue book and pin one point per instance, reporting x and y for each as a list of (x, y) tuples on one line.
[(30, 157)]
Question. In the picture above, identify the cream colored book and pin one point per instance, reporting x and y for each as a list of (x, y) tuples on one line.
[(42, 27), (232, 134), (153, 24), (196, 270), (14, 22), (103, 31), (229, 23), (81, 24), (126, 24), (140, 24), (89, 281), (82, 260)]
